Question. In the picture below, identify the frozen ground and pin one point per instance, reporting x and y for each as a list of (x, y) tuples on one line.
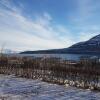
[(13, 88)]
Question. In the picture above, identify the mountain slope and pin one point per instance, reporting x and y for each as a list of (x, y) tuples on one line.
[(91, 46)]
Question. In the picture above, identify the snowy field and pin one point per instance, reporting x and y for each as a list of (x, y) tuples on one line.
[(13, 88)]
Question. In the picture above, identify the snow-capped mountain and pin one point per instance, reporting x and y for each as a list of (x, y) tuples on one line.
[(91, 46)]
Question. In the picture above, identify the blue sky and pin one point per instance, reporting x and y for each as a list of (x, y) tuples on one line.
[(47, 24)]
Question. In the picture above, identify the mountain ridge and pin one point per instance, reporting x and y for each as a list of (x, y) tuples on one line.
[(92, 46)]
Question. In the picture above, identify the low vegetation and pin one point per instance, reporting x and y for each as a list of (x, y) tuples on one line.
[(84, 73)]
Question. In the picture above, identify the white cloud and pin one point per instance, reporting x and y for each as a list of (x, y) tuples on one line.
[(22, 33), (84, 36)]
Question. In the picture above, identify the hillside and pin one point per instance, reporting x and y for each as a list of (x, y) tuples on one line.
[(91, 46)]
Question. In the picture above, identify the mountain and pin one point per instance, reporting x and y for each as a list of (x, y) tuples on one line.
[(91, 46), (8, 51)]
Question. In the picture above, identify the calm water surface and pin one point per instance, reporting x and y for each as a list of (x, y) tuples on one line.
[(63, 56)]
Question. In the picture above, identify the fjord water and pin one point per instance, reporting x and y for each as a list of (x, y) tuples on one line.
[(63, 56)]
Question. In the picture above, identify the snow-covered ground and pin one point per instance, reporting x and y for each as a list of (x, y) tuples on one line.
[(14, 88)]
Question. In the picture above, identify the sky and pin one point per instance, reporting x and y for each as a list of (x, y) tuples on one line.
[(47, 24)]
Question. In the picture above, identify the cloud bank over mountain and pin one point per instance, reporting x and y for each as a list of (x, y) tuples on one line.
[(24, 28)]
